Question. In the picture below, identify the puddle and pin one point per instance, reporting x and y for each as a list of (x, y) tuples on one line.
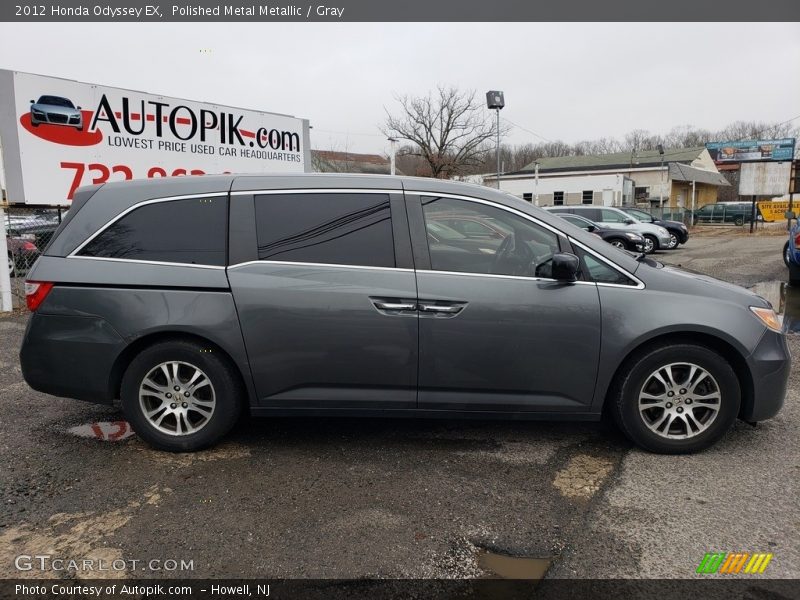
[(513, 567), (785, 299), (114, 431)]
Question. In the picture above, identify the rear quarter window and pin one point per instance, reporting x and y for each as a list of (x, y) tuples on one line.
[(191, 231)]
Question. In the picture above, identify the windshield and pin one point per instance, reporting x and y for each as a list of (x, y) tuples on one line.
[(55, 101)]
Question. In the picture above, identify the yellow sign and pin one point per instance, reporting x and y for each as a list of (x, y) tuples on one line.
[(773, 210)]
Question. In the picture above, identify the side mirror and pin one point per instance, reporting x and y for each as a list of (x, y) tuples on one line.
[(33, 101), (565, 266), (629, 221), (591, 228), (78, 108)]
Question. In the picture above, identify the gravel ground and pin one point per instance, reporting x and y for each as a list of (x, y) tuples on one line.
[(405, 498)]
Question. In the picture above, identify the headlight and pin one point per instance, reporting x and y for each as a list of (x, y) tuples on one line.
[(684, 227), (632, 236), (768, 317), (663, 231)]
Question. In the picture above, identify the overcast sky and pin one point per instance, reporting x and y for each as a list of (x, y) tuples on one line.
[(562, 81)]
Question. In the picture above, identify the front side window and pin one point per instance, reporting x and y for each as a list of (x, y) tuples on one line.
[(191, 231), (593, 269), (519, 246), (612, 216), (336, 228)]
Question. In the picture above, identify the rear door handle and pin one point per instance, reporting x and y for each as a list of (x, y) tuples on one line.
[(395, 305)]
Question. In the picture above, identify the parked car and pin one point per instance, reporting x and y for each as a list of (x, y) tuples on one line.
[(678, 232), (324, 294), (22, 253), (56, 110), (737, 213), (791, 254), (655, 236), (625, 240)]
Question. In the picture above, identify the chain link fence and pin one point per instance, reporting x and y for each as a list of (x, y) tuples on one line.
[(28, 231)]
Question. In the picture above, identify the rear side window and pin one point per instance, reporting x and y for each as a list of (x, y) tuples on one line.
[(336, 228), (191, 231)]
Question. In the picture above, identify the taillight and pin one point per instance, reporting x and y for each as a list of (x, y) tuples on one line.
[(797, 240), (29, 246), (36, 292)]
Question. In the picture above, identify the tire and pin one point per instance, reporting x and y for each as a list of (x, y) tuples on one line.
[(211, 409), (673, 241), (739, 221), (787, 253), (12, 267), (618, 243), (794, 274), (650, 243), (642, 426)]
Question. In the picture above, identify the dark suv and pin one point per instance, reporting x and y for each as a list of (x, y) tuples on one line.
[(737, 213), (193, 299)]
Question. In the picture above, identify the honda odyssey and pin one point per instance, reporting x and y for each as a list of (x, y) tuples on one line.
[(193, 299)]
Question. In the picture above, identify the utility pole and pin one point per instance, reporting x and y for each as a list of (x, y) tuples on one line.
[(536, 182), (661, 190), (392, 161)]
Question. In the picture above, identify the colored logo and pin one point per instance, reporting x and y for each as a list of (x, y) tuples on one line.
[(734, 562)]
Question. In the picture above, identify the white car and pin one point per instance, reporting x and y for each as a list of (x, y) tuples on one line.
[(655, 236)]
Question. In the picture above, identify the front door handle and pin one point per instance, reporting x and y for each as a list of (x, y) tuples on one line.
[(444, 309)]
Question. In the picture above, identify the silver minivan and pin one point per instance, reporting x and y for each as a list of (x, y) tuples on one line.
[(655, 236), (195, 299)]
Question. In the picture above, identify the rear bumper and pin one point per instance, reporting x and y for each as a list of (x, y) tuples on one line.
[(70, 356), (770, 364)]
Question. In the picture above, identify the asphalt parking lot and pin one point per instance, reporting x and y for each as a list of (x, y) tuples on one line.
[(350, 498)]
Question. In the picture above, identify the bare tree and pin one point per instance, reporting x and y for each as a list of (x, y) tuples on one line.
[(450, 129)]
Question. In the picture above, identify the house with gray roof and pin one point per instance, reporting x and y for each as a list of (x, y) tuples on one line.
[(678, 178)]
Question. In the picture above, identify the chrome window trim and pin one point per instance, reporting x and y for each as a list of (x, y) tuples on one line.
[(312, 264), (317, 191), (74, 253), (147, 262)]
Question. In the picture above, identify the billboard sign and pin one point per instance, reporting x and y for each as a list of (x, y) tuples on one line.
[(765, 179), (59, 134), (777, 150)]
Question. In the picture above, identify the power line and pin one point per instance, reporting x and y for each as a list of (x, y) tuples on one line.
[(539, 135)]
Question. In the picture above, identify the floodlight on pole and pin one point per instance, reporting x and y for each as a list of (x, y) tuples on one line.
[(495, 100)]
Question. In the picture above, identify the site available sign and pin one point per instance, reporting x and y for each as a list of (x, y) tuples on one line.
[(750, 150), (58, 135), (765, 179)]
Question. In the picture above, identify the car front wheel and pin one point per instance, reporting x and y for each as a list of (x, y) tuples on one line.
[(676, 399), (673, 241), (180, 396)]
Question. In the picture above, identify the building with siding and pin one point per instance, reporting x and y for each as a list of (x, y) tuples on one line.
[(680, 178)]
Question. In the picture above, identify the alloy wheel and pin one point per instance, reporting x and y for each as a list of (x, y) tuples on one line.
[(177, 398), (618, 244), (648, 244), (679, 400), (673, 241)]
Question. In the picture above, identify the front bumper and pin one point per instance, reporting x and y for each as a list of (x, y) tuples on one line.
[(770, 364), (664, 240)]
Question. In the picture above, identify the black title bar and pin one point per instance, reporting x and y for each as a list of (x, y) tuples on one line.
[(403, 11)]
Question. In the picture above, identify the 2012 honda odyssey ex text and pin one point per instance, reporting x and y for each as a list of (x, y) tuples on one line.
[(194, 299)]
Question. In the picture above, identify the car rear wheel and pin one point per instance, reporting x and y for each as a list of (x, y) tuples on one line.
[(180, 396), (787, 254), (738, 221), (650, 244), (676, 399)]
